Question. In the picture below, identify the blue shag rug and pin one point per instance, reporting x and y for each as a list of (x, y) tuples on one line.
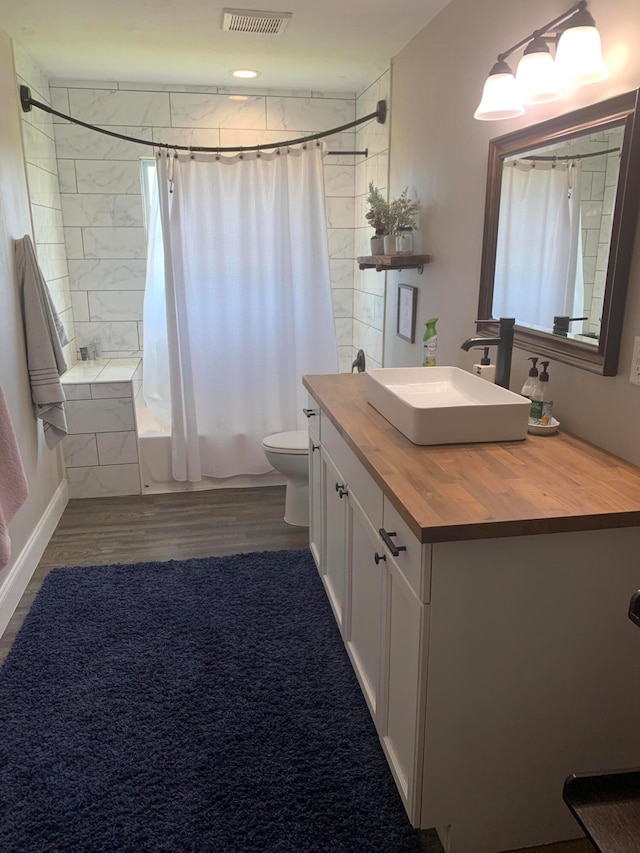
[(197, 706)]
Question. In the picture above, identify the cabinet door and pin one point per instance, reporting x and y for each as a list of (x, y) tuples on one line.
[(405, 657), (364, 635), (334, 535), (315, 501)]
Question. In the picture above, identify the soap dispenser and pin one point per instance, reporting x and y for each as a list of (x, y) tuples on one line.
[(531, 380), (542, 399), (485, 369)]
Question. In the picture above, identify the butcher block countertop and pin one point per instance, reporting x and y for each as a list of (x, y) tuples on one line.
[(544, 484)]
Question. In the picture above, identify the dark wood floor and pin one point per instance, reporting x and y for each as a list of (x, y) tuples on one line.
[(142, 528)]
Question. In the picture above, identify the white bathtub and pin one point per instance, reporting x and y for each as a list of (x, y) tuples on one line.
[(154, 453)]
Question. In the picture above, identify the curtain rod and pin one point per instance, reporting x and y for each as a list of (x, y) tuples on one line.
[(571, 156), (380, 115)]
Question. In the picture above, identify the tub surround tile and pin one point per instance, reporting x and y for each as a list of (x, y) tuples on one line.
[(60, 102), (80, 450), (84, 371), (116, 305), (114, 243), (105, 274), (76, 391), (39, 149), (113, 336), (207, 137), (108, 107), (104, 388), (104, 481), (312, 114), (194, 110), (342, 303), (102, 209), (80, 305), (340, 242), (341, 273), (78, 143), (108, 415), (47, 225), (344, 331), (340, 212), (44, 188), (117, 448), (338, 180), (108, 176), (73, 243)]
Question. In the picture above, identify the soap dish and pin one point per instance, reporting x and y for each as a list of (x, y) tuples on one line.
[(546, 429)]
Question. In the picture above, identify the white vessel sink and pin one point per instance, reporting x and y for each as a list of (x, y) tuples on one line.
[(446, 405)]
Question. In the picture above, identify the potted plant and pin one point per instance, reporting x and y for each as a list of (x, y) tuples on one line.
[(402, 223), (378, 218)]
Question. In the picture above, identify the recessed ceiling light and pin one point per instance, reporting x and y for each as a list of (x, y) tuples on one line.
[(245, 73)]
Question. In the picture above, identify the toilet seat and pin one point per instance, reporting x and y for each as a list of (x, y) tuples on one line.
[(294, 442)]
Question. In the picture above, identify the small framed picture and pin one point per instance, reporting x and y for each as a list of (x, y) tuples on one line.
[(407, 302)]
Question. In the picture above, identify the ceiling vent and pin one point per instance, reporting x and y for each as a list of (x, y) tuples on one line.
[(255, 21)]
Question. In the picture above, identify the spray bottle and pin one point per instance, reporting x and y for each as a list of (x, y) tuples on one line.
[(430, 343)]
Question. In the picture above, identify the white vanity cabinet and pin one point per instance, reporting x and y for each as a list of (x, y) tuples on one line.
[(376, 600), (314, 416), (496, 656)]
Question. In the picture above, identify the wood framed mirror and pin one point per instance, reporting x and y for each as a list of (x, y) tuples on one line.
[(560, 217)]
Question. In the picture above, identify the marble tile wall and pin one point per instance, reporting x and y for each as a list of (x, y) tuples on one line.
[(369, 285), (44, 193), (101, 449), (100, 186)]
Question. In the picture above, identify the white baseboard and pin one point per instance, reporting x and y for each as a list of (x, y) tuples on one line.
[(28, 559)]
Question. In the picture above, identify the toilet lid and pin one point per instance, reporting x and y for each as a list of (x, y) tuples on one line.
[(294, 442)]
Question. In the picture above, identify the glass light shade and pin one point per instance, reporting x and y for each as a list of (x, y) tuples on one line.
[(537, 78), (579, 56), (500, 98)]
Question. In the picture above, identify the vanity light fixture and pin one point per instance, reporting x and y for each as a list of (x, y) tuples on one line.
[(539, 78)]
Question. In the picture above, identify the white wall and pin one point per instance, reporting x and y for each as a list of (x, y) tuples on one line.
[(369, 285), (440, 152), (43, 467)]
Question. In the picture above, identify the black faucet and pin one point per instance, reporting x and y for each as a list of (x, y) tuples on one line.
[(504, 342)]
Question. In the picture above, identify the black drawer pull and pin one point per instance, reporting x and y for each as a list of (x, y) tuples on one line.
[(386, 538), (342, 490), (315, 447), (377, 557), (309, 412)]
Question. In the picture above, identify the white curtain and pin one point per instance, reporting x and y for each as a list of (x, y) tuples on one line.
[(538, 270), (237, 304)]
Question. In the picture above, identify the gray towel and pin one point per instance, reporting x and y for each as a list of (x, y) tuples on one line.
[(44, 337)]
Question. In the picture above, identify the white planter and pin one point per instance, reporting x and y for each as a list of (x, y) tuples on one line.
[(377, 245)]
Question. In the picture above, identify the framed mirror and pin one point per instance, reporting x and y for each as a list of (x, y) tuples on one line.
[(560, 217)]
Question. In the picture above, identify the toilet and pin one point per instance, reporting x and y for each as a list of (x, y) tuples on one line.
[(288, 452)]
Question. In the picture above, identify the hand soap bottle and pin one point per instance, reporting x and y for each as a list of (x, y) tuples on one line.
[(531, 380), (430, 343), (542, 399), (485, 369)]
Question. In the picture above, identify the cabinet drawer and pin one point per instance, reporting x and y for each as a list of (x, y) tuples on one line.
[(360, 484), (313, 419), (415, 562)]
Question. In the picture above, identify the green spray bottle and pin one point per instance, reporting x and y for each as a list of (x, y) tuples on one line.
[(429, 343)]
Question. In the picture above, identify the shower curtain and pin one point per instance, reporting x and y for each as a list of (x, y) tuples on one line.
[(538, 272), (237, 304)]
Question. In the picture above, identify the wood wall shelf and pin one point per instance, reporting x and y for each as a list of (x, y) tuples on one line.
[(393, 262)]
